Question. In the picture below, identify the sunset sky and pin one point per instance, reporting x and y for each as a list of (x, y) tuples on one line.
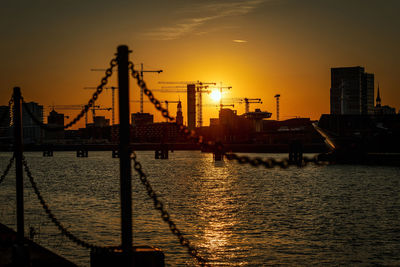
[(259, 47)]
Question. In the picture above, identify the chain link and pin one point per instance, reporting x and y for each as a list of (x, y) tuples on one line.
[(10, 163), (191, 135), (85, 109), (158, 205), (52, 217)]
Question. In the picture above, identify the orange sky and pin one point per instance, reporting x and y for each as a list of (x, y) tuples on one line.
[(287, 47)]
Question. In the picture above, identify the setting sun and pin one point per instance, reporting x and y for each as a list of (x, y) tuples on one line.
[(215, 95)]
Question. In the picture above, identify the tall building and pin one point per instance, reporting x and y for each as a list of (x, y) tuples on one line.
[(352, 91), (55, 119), (179, 117), (191, 106), (5, 121), (32, 132)]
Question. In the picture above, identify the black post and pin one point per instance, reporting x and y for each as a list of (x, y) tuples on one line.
[(18, 164), (124, 151)]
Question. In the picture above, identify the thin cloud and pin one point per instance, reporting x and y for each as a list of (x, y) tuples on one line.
[(214, 10), (239, 41)]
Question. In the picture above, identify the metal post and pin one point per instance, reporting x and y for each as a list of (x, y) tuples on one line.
[(141, 89), (18, 164), (124, 150)]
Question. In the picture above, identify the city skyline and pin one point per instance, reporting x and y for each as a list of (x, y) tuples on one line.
[(260, 48)]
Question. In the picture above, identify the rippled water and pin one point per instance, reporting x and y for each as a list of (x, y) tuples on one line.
[(236, 215)]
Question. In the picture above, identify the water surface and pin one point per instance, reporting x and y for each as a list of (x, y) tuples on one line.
[(236, 215)]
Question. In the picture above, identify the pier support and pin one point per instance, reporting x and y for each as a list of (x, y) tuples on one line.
[(48, 153), (296, 152), (115, 153), (218, 153), (82, 153)]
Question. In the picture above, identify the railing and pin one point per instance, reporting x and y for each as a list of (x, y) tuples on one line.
[(126, 159)]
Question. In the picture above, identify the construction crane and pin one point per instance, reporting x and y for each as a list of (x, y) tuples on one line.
[(220, 91), (200, 88), (72, 107), (112, 88), (94, 108), (249, 101), (141, 89), (277, 96), (165, 101)]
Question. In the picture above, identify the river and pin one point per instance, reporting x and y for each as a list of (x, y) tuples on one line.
[(236, 215)]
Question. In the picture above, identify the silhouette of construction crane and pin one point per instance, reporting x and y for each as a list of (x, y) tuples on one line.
[(141, 89), (249, 101), (94, 108), (73, 107), (112, 88), (200, 88), (220, 91)]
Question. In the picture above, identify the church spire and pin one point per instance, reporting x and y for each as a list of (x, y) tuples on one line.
[(378, 98)]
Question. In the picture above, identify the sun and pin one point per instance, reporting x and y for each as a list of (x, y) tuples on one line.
[(215, 95)]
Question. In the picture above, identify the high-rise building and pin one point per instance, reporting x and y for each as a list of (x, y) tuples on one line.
[(5, 121), (179, 117), (352, 91), (55, 119), (191, 106), (32, 132)]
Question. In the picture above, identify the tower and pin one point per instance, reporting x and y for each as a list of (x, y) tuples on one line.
[(179, 117), (378, 99), (277, 96), (191, 106)]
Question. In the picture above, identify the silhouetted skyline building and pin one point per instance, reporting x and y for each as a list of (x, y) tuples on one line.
[(55, 119), (191, 106), (138, 119), (5, 121), (32, 133), (179, 116), (382, 110), (352, 91)]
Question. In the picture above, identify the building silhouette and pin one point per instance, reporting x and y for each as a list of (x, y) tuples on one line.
[(138, 119), (32, 133), (55, 119), (191, 106), (179, 116), (382, 110), (5, 122), (352, 91)]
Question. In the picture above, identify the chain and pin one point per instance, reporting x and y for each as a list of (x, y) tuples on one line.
[(143, 86), (85, 109), (158, 205), (7, 169), (50, 214), (191, 135)]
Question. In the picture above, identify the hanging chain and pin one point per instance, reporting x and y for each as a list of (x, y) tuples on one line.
[(85, 109), (50, 214), (191, 135), (7, 169), (158, 205)]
